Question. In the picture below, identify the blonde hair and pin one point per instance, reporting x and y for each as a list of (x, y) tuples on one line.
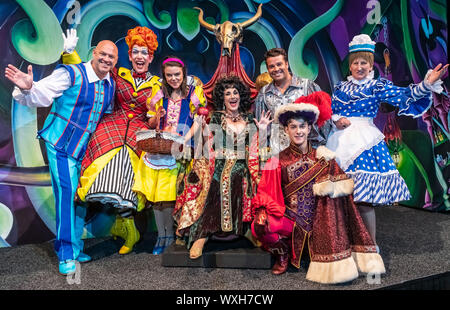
[(262, 80)]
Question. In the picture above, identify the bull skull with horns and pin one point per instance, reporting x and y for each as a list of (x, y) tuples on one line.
[(227, 33)]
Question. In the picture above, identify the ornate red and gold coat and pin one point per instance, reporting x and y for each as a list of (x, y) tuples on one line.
[(314, 192)]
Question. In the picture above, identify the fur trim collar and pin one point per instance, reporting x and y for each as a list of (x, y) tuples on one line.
[(324, 152)]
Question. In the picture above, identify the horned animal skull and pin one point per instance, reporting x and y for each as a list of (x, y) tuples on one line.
[(227, 33)]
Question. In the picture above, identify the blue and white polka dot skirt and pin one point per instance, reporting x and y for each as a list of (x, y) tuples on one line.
[(376, 178)]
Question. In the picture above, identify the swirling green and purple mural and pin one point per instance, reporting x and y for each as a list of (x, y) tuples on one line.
[(315, 34)]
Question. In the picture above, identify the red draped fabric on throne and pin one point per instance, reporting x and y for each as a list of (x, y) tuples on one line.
[(229, 66)]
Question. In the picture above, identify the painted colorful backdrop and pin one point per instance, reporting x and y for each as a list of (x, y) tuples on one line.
[(411, 37)]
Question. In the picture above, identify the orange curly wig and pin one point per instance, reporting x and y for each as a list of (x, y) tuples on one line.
[(142, 36)]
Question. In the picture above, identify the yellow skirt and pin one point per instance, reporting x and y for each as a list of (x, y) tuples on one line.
[(90, 173), (156, 184)]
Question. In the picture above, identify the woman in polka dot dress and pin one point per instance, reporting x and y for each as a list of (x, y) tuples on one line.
[(359, 145)]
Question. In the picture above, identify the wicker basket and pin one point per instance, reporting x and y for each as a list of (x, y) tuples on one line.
[(157, 141)]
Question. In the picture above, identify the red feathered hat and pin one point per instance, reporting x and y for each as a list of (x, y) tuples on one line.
[(316, 108)]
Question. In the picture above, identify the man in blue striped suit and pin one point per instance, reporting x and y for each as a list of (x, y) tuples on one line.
[(79, 95)]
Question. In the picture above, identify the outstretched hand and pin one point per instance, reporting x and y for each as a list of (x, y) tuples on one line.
[(437, 73), (20, 79), (264, 121), (70, 40)]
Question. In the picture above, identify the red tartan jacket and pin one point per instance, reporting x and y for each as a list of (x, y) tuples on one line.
[(129, 116)]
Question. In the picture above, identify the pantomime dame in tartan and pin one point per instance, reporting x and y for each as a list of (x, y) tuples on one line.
[(108, 169)]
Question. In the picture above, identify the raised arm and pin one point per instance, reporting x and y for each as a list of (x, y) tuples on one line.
[(41, 93), (70, 56), (436, 74), (21, 79), (415, 99)]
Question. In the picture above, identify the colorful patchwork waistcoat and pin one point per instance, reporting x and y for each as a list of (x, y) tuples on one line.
[(75, 115)]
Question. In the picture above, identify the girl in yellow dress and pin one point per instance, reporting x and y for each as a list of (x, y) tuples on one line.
[(177, 102)]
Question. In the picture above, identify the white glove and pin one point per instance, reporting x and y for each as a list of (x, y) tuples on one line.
[(70, 41)]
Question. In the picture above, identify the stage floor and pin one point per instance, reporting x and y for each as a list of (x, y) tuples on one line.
[(414, 244)]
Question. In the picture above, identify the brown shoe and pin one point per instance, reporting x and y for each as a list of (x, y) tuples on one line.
[(281, 252), (281, 264)]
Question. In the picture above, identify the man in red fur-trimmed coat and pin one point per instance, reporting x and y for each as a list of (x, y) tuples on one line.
[(304, 201)]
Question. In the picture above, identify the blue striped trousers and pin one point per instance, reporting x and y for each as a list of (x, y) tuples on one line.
[(65, 173)]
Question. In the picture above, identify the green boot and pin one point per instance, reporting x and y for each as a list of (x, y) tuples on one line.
[(118, 229), (132, 236)]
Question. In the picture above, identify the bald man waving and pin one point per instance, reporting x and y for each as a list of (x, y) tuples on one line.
[(79, 95)]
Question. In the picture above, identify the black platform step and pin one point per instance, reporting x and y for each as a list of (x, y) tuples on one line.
[(218, 254)]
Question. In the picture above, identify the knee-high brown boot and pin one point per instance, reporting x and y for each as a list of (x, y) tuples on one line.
[(281, 251)]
